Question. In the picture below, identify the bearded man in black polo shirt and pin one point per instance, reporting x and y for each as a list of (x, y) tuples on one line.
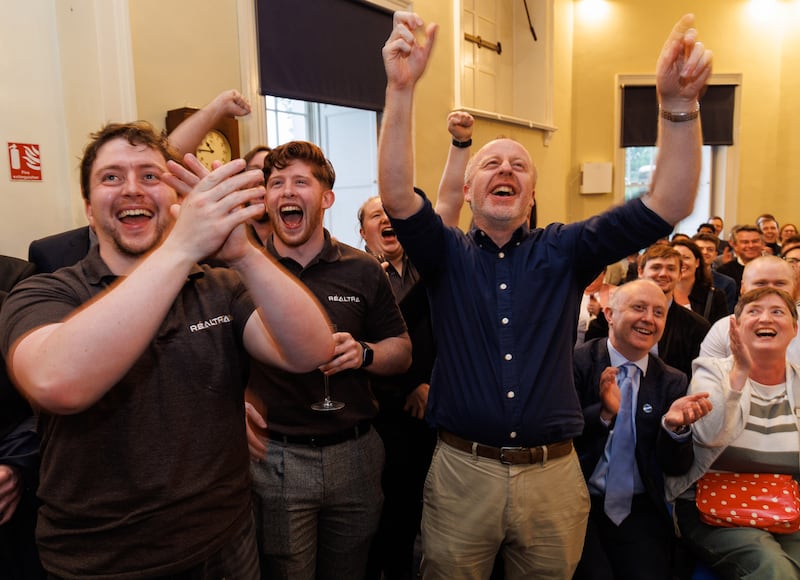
[(319, 485), (137, 359)]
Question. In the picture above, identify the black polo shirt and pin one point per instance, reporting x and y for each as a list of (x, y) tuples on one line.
[(154, 477), (354, 290)]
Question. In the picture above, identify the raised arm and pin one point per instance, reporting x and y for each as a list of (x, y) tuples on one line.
[(405, 60), (187, 136), (681, 73), (451, 188), (67, 366), (289, 328)]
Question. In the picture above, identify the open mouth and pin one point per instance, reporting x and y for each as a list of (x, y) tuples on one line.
[(134, 216), (387, 233), (291, 215), (503, 191), (766, 333), (644, 331)]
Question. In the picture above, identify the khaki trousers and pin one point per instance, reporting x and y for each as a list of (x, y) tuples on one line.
[(533, 515)]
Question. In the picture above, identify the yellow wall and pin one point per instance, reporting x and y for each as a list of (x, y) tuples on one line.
[(178, 65), (435, 99), (184, 53), (764, 48)]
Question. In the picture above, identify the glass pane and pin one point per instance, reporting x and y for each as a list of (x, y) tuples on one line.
[(290, 105), (291, 127), (639, 166)]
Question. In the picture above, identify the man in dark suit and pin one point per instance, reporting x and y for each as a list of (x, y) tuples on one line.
[(633, 537), (19, 460), (748, 245), (12, 270), (684, 330), (60, 250)]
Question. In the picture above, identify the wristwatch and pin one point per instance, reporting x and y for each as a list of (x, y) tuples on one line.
[(367, 356)]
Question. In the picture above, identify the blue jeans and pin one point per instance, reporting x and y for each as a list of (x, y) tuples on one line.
[(739, 552), (318, 507)]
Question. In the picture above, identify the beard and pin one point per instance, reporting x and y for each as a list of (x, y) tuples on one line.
[(296, 238), (138, 246)]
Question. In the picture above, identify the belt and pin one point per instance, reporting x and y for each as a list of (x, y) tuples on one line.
[(362, 428), (509, 455)]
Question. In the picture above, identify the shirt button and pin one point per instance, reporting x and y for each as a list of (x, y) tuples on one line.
[(510, 394), (513, 434), (503, 286), (504, 320), (508, 356), (501, 255)]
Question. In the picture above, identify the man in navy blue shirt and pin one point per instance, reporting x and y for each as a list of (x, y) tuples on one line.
[(504, 302)]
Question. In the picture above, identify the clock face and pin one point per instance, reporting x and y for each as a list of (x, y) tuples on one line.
[(214, 147)]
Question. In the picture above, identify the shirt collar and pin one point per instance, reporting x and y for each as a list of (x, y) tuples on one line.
[(486, 243), (98, 273), (331, 251), (617, 359)]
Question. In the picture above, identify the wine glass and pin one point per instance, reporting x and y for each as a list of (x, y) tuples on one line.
[(327, 404)]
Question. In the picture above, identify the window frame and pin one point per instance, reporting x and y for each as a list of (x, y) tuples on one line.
[(725, 159)]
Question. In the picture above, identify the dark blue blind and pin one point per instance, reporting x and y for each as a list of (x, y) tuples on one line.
[(326, 51), (640, 115)]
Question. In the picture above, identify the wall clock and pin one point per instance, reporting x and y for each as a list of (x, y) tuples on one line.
[(221, 143)]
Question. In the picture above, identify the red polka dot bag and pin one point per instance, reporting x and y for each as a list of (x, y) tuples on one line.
[(768, 501)]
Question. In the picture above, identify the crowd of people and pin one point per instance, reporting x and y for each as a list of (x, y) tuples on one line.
[(204, 383)]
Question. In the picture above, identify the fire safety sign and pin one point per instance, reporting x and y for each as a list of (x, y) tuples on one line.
[(24, 161)]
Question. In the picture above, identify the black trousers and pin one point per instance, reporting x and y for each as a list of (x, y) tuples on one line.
[(639, 548), (409, 445)]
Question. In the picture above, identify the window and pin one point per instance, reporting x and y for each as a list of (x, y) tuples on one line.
[(640, 162), (287, 120), (637, 156)]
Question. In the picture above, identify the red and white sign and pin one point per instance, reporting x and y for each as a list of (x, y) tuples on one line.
[(24, 161)]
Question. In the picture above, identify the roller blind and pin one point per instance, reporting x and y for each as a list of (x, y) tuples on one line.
[(326, 51), (640, 115)]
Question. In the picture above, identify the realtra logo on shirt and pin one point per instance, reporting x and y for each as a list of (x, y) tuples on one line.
[(205, 324), (336, 298)]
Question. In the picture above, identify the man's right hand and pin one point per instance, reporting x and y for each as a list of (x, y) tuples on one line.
[(213, 204), (257, 444), (610, 395), (10, 492), (404, 58)]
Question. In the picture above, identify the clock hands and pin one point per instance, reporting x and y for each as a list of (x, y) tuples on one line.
[(208, 149)]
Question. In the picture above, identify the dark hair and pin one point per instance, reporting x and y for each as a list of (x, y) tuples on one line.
[(706, 225), (136, 133), (743, 228), (280, 158), (248, 157), (765, 217), (758, 293), (790, 244), (700, 274), (706, 238)]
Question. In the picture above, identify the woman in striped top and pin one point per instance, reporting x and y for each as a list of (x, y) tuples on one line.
[(752, 428)]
